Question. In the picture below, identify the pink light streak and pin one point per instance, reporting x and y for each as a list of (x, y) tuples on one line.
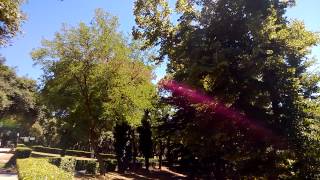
[(198, 97)]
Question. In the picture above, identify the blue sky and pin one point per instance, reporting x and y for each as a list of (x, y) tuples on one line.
[(46, 16)]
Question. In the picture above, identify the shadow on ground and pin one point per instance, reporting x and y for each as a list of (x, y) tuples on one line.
[(140, 174)]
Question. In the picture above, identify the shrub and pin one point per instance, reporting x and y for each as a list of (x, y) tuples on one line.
[(78, 153), (37, 168), (47, 149), (68, 164), (108, 156), (22, 152), (111, 164), (141, 162), (92, 167), (78, 164), (55, 161), (21, 145), (83, 164)]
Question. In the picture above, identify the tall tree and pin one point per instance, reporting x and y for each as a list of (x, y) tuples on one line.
[(18, 102), (91, 81), (17, 96), (251, 62)]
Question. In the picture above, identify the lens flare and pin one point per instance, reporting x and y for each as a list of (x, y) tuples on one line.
[(231, 114)]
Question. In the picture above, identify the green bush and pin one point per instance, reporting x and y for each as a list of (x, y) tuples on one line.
[(55, 161), (78, 153), (111, 164), (108, 156), (38, 168), (21, 145), (92, 167), (78, 164), (47, 149), (141, 162), (83, 164), (68, 164), (22, 152)]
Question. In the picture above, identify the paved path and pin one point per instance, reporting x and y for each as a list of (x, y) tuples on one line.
[(5, 150), (6, 174)]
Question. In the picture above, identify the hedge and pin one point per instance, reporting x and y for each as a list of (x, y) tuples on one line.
[(47, 149), (83, 164), (71, 164), (38, 168), (90, 166), (22, 152), (110, 164), (77, 153), (21, 145)]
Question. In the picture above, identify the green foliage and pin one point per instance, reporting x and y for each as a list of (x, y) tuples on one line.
[(17, 99), (110, 164), (9, 123), (91, 80), (83, 164), (21, 145), (55, 161), (10, 19), (250, 57), (92, 167), (36, 168), (68, 164), (47, 149), (78, 153), (22, 152)]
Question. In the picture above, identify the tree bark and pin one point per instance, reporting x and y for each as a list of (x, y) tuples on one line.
[(161, 154), (134, 147), (147, 163)]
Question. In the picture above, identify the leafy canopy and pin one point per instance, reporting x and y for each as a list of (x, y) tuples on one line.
[(90, 79), (10, 19), (248, 56)]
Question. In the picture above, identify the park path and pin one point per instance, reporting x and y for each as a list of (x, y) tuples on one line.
[(6, 173)]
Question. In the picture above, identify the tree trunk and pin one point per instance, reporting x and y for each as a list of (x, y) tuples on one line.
[(161, 154), (147, 163), (102, 167), (169, 155), (134, 147), (95, 151)]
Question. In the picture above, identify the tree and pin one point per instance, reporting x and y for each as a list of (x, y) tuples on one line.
[(91, 81), (18, 102), (17, 97), (248, 60), (11, 18), (145, 138)]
